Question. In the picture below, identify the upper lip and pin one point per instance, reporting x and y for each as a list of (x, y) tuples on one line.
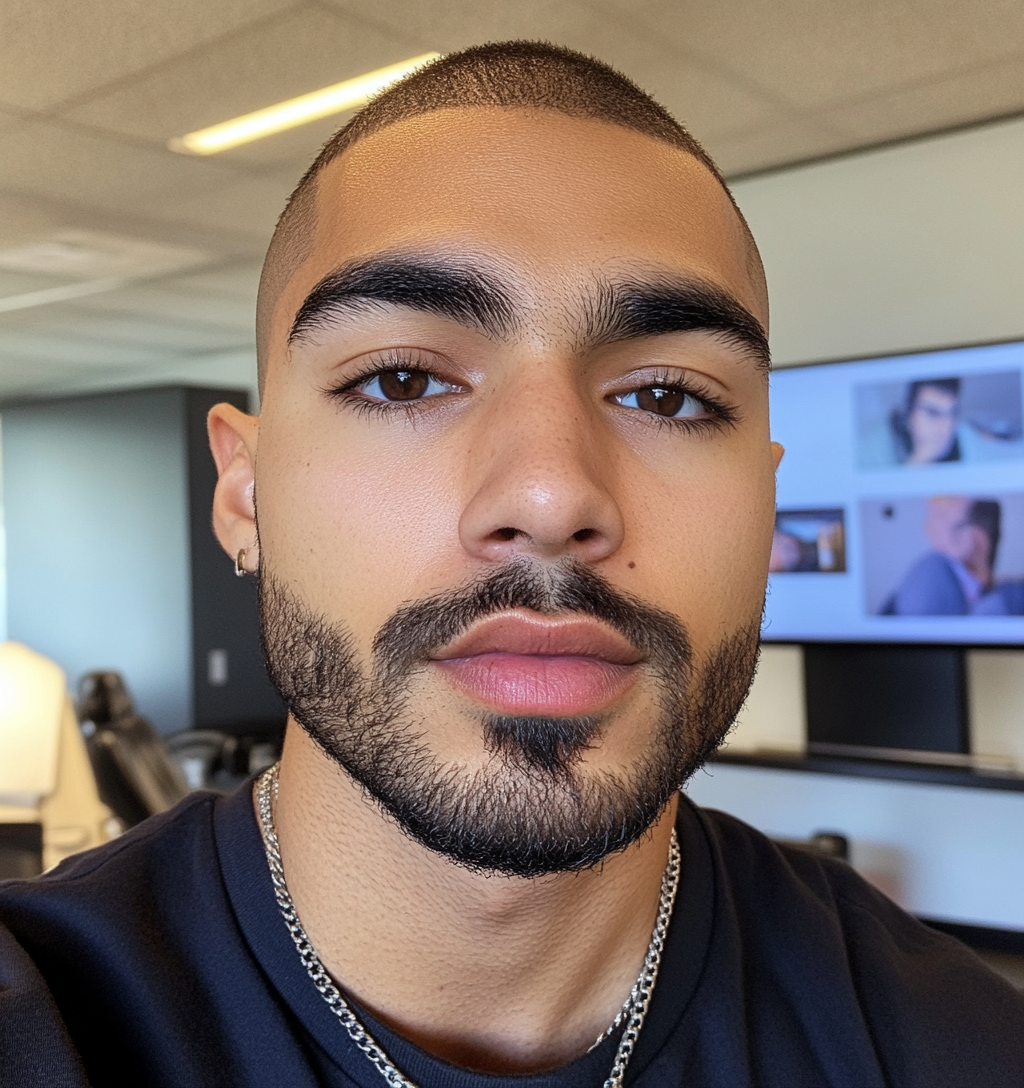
[(529, 633)]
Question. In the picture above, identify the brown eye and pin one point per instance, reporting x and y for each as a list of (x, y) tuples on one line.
[(668, 401), (661, 401), (676, 403), (403, 384)]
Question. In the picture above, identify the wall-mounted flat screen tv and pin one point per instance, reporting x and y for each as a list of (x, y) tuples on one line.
[(900, 509)]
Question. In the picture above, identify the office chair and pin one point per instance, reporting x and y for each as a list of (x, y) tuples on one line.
[(136, 777)]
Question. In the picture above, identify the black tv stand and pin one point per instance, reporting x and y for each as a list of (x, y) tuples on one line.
[(870, 698)]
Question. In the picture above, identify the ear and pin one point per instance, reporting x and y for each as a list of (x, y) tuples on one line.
[(233, 437)]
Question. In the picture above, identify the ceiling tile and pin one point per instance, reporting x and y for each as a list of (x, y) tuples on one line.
[(7, 119), (23, 219), (250, 207), (49, 348), (50, 52), (964, 97), (20, 283), (122, 330), (158, 302), (64, 163), (447, 25), (810, 53), (84, 255), (268, 63), (25, 377), (232, 370), (700, 98), (239, 282), (771, 145)]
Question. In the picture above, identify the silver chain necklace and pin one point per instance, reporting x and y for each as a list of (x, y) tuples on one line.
[(633, 1011)]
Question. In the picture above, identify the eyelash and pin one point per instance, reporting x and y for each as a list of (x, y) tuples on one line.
[(391, 363), (721, 414)]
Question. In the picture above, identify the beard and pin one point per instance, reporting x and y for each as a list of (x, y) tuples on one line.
[(533, 808)]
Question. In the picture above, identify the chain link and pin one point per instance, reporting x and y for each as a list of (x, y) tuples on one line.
[(632, 1012)]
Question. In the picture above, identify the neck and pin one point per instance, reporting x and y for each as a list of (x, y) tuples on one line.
[(980, 568), (492, 973)]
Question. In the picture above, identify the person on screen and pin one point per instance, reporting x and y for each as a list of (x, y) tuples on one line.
[(787, 552), (956, 575), (926, 430), (515, 493)]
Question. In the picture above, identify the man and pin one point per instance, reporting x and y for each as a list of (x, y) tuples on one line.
[(953, 578), (515, 501)]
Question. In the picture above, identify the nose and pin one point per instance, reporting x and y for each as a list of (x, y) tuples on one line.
[(541, 480)]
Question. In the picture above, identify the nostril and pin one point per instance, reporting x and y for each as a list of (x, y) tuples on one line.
[(584, 534), (507, 533)]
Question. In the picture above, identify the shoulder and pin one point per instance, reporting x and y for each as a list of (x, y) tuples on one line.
[(28, 1012), (149, 862), (815, 933), (933, 565), (930, 587)]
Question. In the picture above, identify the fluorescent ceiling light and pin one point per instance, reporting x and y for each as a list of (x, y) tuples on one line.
[(296, 111)]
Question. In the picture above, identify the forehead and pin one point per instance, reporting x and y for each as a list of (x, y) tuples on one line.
[(554, 197), (949, 508), (934, 392)]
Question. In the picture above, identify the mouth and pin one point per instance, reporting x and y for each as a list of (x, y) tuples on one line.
[(524, 663)]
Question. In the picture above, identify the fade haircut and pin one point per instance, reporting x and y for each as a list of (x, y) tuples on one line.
[(516, 74)]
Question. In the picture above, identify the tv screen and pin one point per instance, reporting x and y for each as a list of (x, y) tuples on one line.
[(900, 509)]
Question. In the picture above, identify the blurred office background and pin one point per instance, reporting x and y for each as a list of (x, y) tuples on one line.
[(876, 148)]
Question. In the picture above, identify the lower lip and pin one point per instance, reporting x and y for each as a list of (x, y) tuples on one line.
[(562, 685)]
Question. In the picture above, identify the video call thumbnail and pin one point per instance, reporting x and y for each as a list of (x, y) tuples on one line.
[(944, 555), (807, 541), (974, 418)]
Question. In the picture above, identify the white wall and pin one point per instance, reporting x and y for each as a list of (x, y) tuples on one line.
[(97, 533), (944, 852), (915, 246)]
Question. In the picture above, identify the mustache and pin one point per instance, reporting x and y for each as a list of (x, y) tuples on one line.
[(414, 632)]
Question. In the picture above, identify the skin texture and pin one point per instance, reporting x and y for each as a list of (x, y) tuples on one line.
[(360, 512)]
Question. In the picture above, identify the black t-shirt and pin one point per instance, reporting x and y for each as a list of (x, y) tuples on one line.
[(161, 959)]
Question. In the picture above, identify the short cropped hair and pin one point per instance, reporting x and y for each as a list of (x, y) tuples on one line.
[(515, 74)]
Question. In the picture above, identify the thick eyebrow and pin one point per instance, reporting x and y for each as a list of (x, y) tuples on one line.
[(630, 309), (435, 285)]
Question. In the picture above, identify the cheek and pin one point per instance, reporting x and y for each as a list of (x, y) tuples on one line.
[(356, 530), (702, 536)]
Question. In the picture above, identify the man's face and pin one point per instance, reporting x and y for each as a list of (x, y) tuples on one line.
[(517, 405), (932, 424), (949, 531)]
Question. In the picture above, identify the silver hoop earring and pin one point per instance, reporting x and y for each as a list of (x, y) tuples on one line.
[(240, 571)]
